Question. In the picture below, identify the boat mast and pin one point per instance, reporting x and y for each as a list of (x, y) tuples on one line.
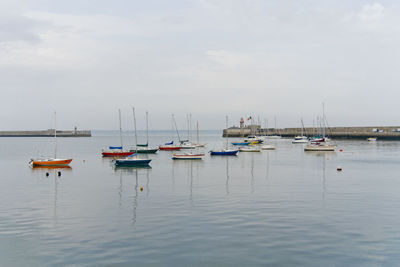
[(226, 122), (147, 127), (303, 130), (197, 132), (176, 127), (134, 126), (187, 118), (323, 120), (55, 135), (190, 132), (120, 127)]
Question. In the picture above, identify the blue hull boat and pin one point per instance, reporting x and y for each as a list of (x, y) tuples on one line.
[(241, 144), (224, 153), (132, 162)]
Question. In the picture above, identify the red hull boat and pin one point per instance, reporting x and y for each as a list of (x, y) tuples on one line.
[(170, 148), (116, 154)]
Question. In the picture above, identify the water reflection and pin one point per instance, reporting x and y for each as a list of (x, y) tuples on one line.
[(135, 171), (252, 174), (56, 172), (267, 165), (45, 169), (190, 176), (324, 159), (135, 198), (227, 176), (320, 153)]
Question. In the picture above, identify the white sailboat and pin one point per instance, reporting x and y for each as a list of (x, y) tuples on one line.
[(191, 155), (301, 139), (324, 145), (198, 144)]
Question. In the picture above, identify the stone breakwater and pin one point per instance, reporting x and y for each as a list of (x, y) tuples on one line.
[(46, 133), (380, 132)]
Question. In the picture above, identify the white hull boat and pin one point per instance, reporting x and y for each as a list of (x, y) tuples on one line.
[(268, 147), (300, 140), (187, 156), (319, 148), (249, 149)]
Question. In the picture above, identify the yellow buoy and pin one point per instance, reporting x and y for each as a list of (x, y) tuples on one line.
[(141, 188)]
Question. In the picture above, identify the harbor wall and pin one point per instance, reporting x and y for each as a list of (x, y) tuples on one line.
[(380, 132), (46, 133)]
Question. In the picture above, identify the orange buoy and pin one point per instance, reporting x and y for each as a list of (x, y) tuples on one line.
[(341, 150)]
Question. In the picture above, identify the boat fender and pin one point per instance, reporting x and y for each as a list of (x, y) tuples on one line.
[(59, 173), (47, 174)]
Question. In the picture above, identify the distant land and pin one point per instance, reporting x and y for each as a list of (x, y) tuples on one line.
[(47, 133), (380, 132)]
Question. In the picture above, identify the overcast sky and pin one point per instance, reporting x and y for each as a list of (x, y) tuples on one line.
[(210, 58)]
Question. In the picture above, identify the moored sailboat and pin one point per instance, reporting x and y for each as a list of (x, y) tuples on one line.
[(171, 146), (48, 161), (225, 151), (321, 142), (117, 151), (144, 148), (133, 160), (190, 155)]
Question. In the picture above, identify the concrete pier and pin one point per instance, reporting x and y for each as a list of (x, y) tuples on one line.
[(46, 133), (380, 132)]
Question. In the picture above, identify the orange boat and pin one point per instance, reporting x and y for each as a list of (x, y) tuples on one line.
[(50, 162)]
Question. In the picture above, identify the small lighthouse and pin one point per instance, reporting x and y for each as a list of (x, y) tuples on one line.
[(241, 123)]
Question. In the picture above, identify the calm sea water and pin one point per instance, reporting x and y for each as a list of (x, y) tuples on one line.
[(283, 207)]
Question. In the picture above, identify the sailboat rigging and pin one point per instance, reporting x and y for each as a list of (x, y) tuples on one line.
[(48, 161), (133, 160), (225, 151), (144, 148), (117, 151), (190, 155)]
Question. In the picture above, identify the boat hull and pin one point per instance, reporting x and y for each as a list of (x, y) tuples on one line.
[(117, 154), (170, 148), (132, 162), (146, 151), (249, 150), (51, 162), (224, 153), (320, 148), (187, 156), (241, 143), (268, 147)]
